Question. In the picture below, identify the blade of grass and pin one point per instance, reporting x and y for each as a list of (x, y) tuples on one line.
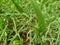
[(1, 23), (3, 32), (18, 7), (40, 17)]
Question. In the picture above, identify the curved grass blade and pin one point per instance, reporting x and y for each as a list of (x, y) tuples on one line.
[(18, 7), (40, 17)]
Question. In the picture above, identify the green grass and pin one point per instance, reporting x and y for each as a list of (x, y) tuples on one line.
[(18, 7), (40, 17), (29, 22)]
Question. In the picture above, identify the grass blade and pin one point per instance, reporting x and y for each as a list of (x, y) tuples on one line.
[(1, 23), (18, 7), (40, 17)]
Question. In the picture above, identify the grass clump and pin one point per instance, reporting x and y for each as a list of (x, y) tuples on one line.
[(29, 22)]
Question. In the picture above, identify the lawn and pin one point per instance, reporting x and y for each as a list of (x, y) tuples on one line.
[(29, 22)]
